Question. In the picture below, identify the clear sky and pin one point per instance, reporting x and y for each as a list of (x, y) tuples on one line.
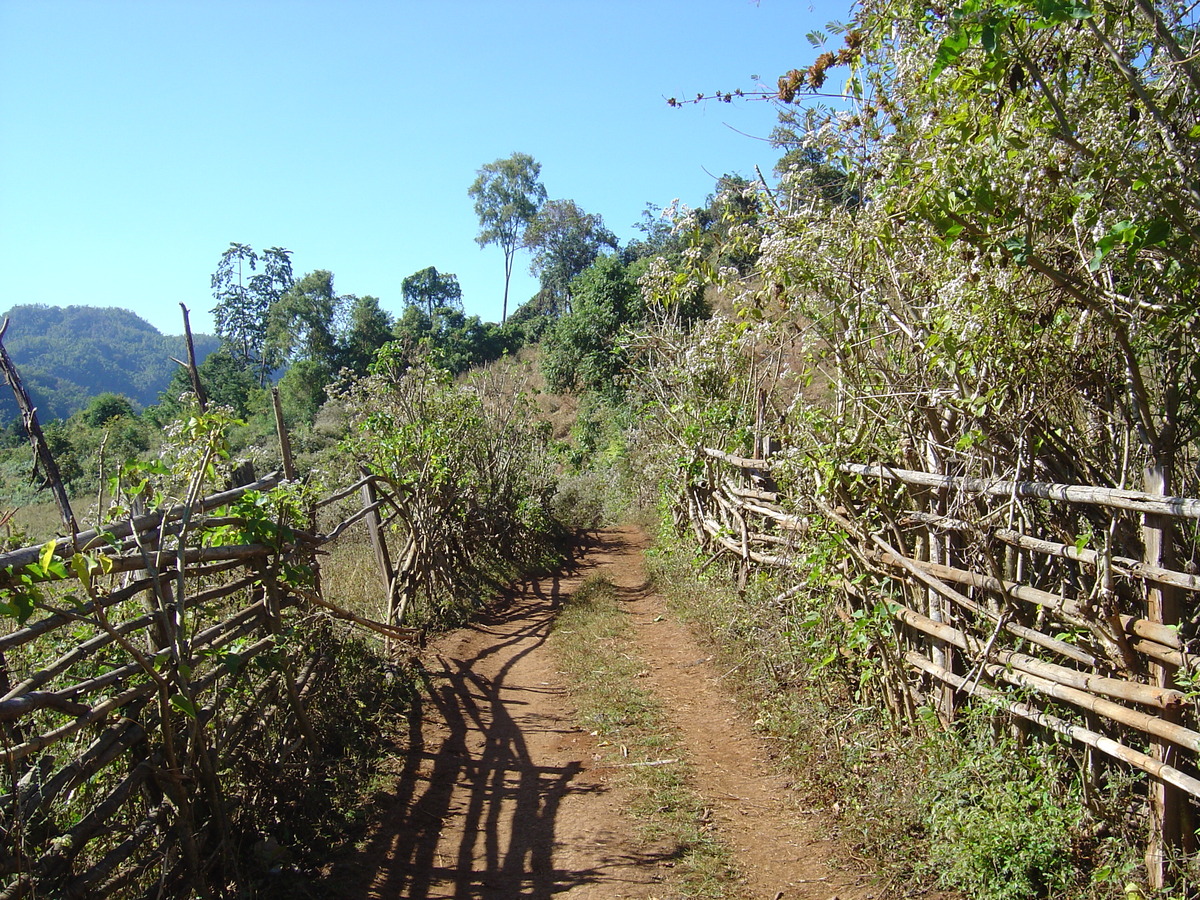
[(138, 139)]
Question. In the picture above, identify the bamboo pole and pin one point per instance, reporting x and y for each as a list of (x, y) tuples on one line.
[(139, 836), (739, 462), (103, 639), (88, 540), (1150, 724), (1120, 689), (1168, 808), (715, 531), (1124, 565), (1058, 646), (1134, 501), (1152, 631)]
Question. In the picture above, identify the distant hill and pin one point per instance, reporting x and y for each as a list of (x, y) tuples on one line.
[(67, 355)]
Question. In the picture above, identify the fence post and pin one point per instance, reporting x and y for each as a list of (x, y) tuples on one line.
[(193, 370), (941, 653), (378, 544), (1168, 805), (285, 442)]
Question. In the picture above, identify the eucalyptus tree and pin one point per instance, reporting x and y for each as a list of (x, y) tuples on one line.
[(507, 195), (564, 241)]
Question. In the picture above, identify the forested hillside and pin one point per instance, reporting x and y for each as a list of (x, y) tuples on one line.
[(68, 355)]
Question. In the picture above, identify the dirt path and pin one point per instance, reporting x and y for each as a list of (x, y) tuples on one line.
[(501, 795)]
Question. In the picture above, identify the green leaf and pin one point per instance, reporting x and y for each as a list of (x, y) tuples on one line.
[(19, 606), (951, 48), (988, 38), (1157, 232), (185, 706), (79, 565), (47, 555), (1019, 248)]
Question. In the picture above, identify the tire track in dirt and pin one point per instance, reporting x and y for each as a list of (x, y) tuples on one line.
[(500, 793)]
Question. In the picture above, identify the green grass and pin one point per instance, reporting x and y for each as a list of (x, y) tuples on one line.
[(594, 643)]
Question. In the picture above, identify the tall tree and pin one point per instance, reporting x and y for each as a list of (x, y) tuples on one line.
[(303, 322), (369, 329), (430, 290), (565, 241), (507, 196), (244, 301)]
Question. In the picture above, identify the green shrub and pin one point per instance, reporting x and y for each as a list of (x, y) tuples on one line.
[(1003, 819)]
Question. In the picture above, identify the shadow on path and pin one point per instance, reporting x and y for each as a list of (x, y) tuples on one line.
[(492, 759)]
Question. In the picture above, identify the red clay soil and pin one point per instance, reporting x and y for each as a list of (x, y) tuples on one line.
[(501, 794)]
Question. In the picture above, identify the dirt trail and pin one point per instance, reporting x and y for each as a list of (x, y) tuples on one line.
[(501, 794)]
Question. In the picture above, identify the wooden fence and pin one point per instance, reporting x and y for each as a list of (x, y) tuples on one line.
[(994, 594), (155, 670)]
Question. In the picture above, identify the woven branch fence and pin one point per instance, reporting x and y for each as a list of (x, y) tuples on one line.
[(153, 674), (993, 595)]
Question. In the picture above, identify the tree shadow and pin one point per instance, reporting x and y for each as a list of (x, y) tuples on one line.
[(473, 815)]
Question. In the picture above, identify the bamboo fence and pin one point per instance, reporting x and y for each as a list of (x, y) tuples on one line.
[(991, 596)]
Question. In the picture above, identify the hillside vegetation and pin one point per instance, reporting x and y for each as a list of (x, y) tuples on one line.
[(68, 355)]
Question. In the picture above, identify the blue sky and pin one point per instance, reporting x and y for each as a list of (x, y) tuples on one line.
[(137, 139)]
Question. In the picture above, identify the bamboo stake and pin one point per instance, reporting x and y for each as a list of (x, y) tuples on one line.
[(1168, 809)]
